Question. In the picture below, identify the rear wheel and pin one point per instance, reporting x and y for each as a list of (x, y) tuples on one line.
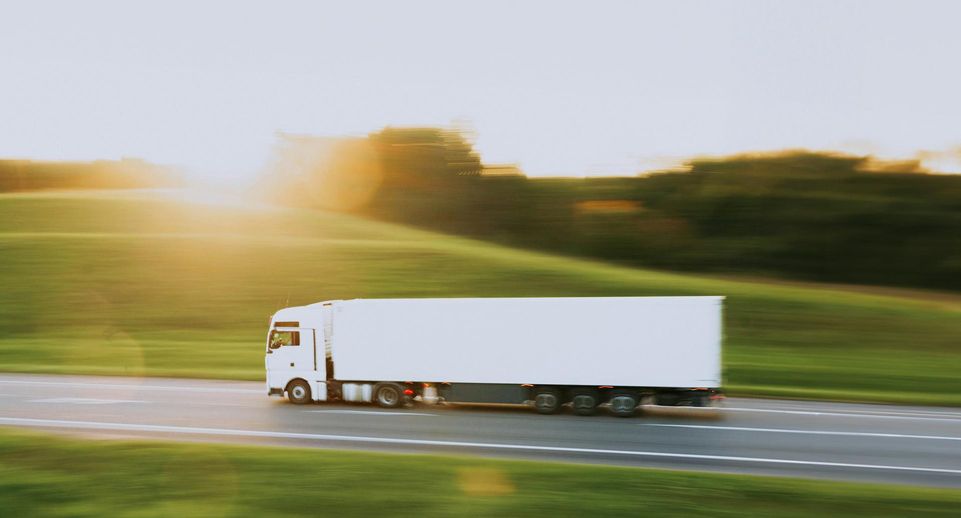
[(389, 395), (547, 401), (585, 403), (701, 400), (667, 399), (623, 405), (298, 392)]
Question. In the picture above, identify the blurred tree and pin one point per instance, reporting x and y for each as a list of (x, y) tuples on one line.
[(427, 175), (128, 173), (819, 216), (417, 158)]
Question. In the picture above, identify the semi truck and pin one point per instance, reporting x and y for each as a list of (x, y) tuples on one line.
[(550, 353)]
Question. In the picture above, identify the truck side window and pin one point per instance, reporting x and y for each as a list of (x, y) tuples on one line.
[(282, 338)]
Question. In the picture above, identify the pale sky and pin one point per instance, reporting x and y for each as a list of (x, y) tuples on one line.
[(576, 88)]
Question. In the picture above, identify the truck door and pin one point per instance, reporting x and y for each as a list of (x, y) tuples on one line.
[(293, 351)]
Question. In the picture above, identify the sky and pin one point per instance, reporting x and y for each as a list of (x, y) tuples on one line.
[(556, 87)]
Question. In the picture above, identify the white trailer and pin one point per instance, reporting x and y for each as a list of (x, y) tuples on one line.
[(582, 351)]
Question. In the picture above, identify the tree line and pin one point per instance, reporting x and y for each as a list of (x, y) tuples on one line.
[(795, 214), (129, 173)]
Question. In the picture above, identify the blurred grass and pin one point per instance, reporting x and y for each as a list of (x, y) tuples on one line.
[(144, 283), (43, 475)]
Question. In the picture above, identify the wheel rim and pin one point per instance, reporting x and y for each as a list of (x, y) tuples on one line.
[(585, 402), (299, 392), (623, 404), (546, 400), (388, 397)]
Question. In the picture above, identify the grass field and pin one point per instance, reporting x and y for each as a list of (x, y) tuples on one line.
[(42, 475), (138, 283)]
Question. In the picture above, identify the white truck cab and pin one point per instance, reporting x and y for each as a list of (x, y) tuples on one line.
[(297, 354)]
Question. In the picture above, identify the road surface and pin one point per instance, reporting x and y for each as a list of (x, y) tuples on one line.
[(875, 443)]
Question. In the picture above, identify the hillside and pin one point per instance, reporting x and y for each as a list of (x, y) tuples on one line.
[(144, 283)]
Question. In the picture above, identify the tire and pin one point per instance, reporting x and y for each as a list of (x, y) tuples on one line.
[(388, 395), (667, 399), (547, 401), (298, 392), (585, 403), (623, 405)]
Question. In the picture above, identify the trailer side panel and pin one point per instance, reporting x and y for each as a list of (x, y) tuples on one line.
[(624, 341)]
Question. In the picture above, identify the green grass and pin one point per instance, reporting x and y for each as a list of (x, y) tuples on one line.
[(143, 284), (42, 475)]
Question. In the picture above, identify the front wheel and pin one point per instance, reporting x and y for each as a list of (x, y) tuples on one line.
[(298, 392)]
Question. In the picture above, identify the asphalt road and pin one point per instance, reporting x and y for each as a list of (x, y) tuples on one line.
[(876, 443)]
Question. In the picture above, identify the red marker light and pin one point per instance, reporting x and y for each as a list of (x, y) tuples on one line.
[(408, 392)]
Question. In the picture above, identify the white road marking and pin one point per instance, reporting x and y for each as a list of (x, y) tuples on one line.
[(366, 412), (839, 414), (912, 413), (181, 388), (84, 401), (90, 425), (808, 432)]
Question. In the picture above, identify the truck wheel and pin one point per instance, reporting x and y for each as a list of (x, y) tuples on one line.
[(547, 401), (667, 399), (623, 405), (701, 400), (298, 392), (584, 403), (388, 395)]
